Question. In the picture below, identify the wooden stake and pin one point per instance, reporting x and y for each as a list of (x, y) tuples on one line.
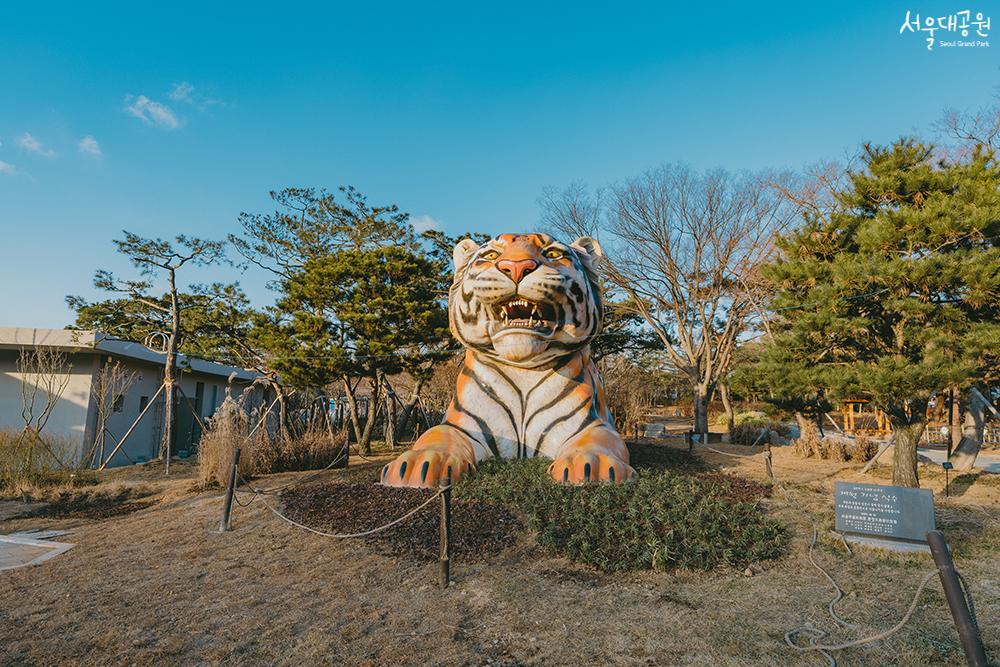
[(227, 508), (445, 558), (131, 428), (968, 632), (192, 408)]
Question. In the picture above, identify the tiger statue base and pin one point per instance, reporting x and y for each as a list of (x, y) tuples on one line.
[(525, 307)]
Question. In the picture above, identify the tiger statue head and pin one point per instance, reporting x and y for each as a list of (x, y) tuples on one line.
[(525, 299)]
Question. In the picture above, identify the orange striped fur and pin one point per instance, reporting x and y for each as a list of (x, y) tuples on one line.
[(525, 307)]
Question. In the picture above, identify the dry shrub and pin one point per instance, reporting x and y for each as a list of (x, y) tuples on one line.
[(30, 461), (836, 450), (747, 432), (808, 443), (865, 450), (262, 452), (215, 450)]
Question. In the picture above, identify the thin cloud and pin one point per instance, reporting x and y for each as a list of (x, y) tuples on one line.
[(151, 113), (33, 145), (7, 168), (424, 223), (182, 92), (90, 146)]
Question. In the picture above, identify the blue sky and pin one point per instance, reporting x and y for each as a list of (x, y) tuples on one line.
[(174, 118)]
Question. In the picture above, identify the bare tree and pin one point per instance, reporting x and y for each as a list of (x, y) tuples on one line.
[(973, 128), (109, 387), (684, 248), (45, 374), (156, 257)]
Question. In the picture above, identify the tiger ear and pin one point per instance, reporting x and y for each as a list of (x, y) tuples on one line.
[(588, 248), (464, 250)]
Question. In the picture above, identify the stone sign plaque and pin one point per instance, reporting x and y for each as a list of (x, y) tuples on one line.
[(893, 512)]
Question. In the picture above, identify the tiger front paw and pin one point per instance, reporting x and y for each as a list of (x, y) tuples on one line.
[(425, 468), (580, 466)]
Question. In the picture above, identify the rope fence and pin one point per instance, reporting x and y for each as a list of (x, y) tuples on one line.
[(443, 493), (815, 635), (367, 532)]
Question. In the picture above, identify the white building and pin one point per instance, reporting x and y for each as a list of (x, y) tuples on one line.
[(74, 419)]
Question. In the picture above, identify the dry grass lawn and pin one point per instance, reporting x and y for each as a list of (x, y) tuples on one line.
[(158, 586)]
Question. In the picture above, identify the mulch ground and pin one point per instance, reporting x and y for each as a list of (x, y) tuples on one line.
[(94, 512), (735, 489), (478, 529)]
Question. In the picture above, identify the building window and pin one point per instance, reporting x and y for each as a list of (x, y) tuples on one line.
[(143, 402), (118, 405)]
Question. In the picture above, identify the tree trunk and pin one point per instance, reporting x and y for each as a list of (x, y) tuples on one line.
[(701, 394), (407, 413), (906, 437), (954, 419), (728, 405), (365, 441), (168, 372), (352, 409), (390, 417), (964, 455), (279, 394)]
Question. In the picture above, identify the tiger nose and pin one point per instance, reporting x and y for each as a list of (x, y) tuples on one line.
[(516, 269)]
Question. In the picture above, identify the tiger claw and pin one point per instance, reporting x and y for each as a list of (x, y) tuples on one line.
[(581, 467)]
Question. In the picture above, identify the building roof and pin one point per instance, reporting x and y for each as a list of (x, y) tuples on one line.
[(69, 340)]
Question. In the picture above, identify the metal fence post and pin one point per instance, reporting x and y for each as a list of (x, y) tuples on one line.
[(227, 508), (445, 558), (968, 632), (767, 460)]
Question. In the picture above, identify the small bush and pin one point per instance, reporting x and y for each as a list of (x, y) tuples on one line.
[(749, 416), (864, 450), (836, 450), (809, 444), (747, 431), (28, 462), (261, 452), (664, 519)]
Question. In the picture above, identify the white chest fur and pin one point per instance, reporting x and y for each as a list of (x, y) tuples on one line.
[(520, 412)]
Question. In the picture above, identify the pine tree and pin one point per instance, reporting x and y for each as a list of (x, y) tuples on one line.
[(894, 295), (361, 314)]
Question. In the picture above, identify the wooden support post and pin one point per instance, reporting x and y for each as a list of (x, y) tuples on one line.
[(191, 407), (968, 632), (130, 429), (445, 558), (227, 507), (689, 438), (767, 460)]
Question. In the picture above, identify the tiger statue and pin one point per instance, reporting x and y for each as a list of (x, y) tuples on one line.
[(526, 308)]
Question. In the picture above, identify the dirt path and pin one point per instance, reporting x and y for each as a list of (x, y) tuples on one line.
[(157, 586)]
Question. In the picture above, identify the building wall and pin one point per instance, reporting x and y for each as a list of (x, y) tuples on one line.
[(66, 429), (144, 442), (74, 421)]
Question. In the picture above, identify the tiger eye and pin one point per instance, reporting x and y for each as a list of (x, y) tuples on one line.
[(489, 254), (553, 253)]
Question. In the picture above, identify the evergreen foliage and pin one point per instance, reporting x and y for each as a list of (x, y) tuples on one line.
[(894, 295)]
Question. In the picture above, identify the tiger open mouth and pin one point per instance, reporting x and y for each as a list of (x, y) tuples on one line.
[(521, 313)]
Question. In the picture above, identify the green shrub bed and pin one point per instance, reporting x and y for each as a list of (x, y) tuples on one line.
[(671, 516)]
